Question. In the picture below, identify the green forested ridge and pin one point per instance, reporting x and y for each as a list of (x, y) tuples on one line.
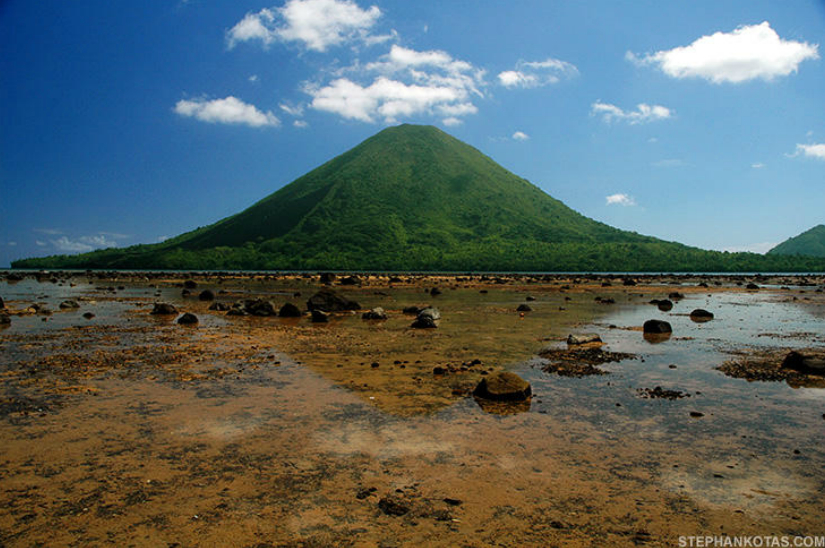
[(415, 198), (810, 243)]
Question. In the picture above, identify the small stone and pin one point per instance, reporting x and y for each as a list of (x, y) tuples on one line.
[(524, 308), (696, 414), (88, 315), (701, 315), (657, 327), (376, 313), (289, 310), (69, 305), (164, 309), (392, 507), (188, 319), (427, 319), (503, 386), (583, 339), (206, 295)]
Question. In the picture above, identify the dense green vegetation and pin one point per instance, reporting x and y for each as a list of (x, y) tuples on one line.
[(415, 198), (810, 242)]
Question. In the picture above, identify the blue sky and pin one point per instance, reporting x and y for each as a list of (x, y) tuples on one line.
[(130, 122)]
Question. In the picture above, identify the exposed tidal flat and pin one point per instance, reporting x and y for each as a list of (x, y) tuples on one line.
[(253, 428)]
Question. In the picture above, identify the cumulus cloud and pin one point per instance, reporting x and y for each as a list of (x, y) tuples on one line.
[(315, 24), (532, 74), (620, 199), (644, 113), (83, 244), (229, 110), (747, 53), (452, 121), (520, 136), (402, 83), (811, 151)]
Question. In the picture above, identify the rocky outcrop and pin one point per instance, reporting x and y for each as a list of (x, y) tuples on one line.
[(503, 386)]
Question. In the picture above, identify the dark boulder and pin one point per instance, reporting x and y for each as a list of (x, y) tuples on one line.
[(701, 315), (393, 507), (676, 295), (327, 278), (5, 319), (503, 386), (164, 309), (377, 313), (529, 298), (260, 307), (804, 363), (319, 316), (88, 315), (330, 301), (2, 304), (435, 292), (188, 319), (427, 319), (665, 305), (657, 327), (219, 307), (190, 284), (412, 310), (752, 286), (351, 280), (289, 310), (207, 295), (524, 308)]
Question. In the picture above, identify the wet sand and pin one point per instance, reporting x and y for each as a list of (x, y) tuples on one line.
[(128, 429)]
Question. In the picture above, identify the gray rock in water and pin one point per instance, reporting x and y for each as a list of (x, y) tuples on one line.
[(88, 315), (319, 316), (5, 319), (330, 301), (665, 305), (188, 319), (583, 338), (657, 327), (164, 309), (289, 310), (804, 363), (65, 305), (2, 304), (503, 386), (427, 319), (376, 313)]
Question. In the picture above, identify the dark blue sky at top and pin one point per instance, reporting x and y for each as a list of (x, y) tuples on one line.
[(93, 151)]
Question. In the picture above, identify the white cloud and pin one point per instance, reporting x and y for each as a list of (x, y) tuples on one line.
[(292, 110), (811, 151), (316, 24), (620, 199), (49, 231), (761, 247), (253, 78), (11, 243), (520, 136), (40, 243), (408, 83), (452, 121), (229, 110), (644, 113), (531, 74), (758, 165), (83, 244), (300, 124), (747, 53)]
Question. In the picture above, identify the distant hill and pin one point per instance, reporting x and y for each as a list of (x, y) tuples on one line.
[(414, 198), (810, 243)]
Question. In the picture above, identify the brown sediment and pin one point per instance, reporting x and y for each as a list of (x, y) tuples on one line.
[(246, 431), (767, 365), (580, 361)]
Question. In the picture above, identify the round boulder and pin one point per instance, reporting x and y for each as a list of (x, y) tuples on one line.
[(164, 309), (524, 308), (427, 319), (206, 295), (503, 386), (188, 319), (376, 313), (289, 310), (701, 315), (657, 327)]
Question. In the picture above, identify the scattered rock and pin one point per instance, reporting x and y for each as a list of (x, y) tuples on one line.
[(327, 278), (329, 301), (657, 327), (365, 492), (5, 319), (660, 393), (579, 361), (376, 313), (797, 361), (665, 305), (2, 304), (190, 284), (412, 310), (188, 319), (583, 338), (164, 309), (435, 292), (701, 315), (696, 414), (351, 280), (427, 319), (529, 298), (675, 295), (289, 310), (503, 386), (88, 315), (393, 507), (219, 307), (66, 305), (319, 316), (259, 307), (524, 308), (752, 286), (206, 295)]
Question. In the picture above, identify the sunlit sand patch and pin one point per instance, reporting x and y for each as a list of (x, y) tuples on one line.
[(749, 485), (382, 442), (225, 428)]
